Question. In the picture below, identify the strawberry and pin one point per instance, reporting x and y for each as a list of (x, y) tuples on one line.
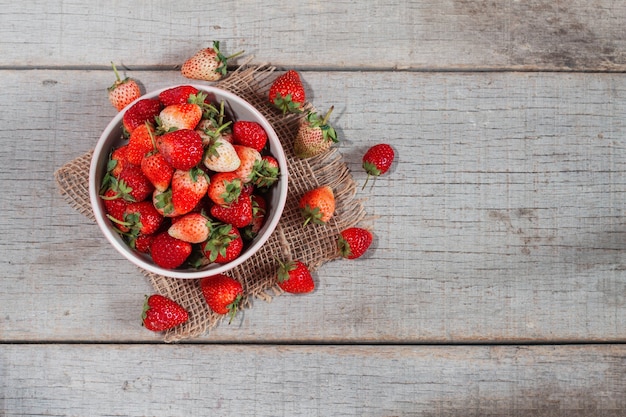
[(315, 136), (169, 252), (162, 201), (222, 293), (224, 188), (192, 228), (123, 92), (143, 242), (117, 160), (224, 244), (177, 95), (249, 133), (208, 64), (238, 213), (142, 111), (287, 93), (248, 157), (182, 148), (182, 115), (266, 171), (259, 209), (294, 277), (143, 217), (353, 242), (115, 207), (220, 156), (140, 143), (188, 188), (157, 170), (377, 160), (133, 185), (317, 205), (161, 313)]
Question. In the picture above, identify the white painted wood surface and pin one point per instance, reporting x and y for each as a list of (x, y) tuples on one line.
[(499, 231)]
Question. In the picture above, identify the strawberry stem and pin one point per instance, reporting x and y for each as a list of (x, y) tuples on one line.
[(327, 115), (117, 75)]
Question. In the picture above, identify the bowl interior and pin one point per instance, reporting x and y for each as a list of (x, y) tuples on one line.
[(238, 109)]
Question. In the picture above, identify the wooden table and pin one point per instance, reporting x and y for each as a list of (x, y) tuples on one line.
[(496, 284)]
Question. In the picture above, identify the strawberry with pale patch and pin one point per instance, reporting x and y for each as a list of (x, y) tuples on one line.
[(317, 205), (182, 115), (192, 228), (221, 156), (287, 93), (248, 157), (315, 136), (188, 188), (207, 64), (123, 91), (224, 188)]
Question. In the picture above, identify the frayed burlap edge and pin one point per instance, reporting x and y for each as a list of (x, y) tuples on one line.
[(314, 244)]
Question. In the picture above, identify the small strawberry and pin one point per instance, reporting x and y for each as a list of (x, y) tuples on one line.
[(188, 188), (142, 111), (115, 207), (220, 156), (143, 242), (259, 210), (266, 172), (161, 313), (177, 95), (117, 160), (249, 133), (140, 142), (239, 213), (377, 160), (182, 148), (224, 244), (182, 115), (353, 242), (192, 228), (315, 136), (169, 252), (208, 64), (157, 170), (133, 185), (162, 201), (317, 205), (123, 92), (248, 157), (224, 188), (143, 217), (287, 93), (294, 277), (222, 293)]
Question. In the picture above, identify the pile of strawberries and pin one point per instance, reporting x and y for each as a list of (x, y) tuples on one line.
[(188, 187)]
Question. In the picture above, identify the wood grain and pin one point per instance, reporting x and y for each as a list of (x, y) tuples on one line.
[(501, 221), (137, 380), (405, 35)]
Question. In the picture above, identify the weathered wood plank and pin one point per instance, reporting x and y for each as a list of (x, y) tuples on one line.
[(502, 219), (434, 34), (106, 380)]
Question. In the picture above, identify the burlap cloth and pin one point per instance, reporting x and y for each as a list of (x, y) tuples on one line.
[(314, 245)]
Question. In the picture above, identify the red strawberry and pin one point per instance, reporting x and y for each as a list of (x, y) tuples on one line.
[(115, 207), (157, 170), (117, 160), (294, 277), (142, 111), (259, 209), (192, 228), (188, 188), (123, 92), (161, 313), (377, 160), (224, 244), (266, 172), (177, 95), (224, 188), (143, 217), (238, 213), (353, 242), (180, 116), (315, 136), (222, 293), (169, 252), (133, 185), (140, 142), (249, 133), (207, 64), (182, 149), (317, 205), (287, 93), (143, 242), (248, 157)]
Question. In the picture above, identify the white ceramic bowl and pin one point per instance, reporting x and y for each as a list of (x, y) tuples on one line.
[(112, 137)]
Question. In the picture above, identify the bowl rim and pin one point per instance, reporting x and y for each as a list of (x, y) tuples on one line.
[(141, 261)]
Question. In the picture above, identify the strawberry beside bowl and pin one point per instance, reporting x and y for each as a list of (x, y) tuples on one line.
[(126, 228)]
